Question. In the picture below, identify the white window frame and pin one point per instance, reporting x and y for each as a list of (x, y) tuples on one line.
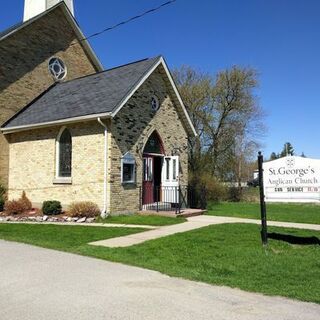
[(58, 179), (128, 158)]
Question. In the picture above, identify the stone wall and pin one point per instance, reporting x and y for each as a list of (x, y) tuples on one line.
[(32, 165), (24, 72), (131, 129)]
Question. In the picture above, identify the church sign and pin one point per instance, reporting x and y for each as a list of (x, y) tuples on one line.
[(292, 179)]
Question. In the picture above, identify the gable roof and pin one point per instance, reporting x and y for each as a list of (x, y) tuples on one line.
[(70, 18), (99, 95)]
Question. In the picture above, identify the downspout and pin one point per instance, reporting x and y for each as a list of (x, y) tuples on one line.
[(104, 210)]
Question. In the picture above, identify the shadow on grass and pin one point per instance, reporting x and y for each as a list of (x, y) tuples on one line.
[(294, 239)]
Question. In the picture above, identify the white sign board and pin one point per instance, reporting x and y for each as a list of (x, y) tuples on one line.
[(292, 179)]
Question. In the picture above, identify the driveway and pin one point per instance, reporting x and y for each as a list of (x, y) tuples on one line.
[(38, 283)]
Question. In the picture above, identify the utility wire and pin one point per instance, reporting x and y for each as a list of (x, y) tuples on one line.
[(126, 21)]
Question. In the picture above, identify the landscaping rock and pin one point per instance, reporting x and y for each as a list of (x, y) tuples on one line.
[(82, 220), (90, 220), (45, 218)]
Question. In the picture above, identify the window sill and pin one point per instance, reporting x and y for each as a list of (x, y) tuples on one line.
[(62, 181), (129, 182)]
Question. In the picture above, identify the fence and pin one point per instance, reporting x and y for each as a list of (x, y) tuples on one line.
[(159, 198)]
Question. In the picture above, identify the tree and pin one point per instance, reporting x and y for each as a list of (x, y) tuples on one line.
[(226, 116), (287, 150), (303, 155), (274, 156)]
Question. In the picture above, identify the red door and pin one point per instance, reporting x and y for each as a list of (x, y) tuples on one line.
[(147, 194)]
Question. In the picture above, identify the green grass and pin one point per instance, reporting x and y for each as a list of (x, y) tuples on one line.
[(65, 238), (148, 220), (229, 254), (302, 213)]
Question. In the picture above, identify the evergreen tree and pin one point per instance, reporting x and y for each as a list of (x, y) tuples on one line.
[(287, 150), (303, 155), (274, 156)]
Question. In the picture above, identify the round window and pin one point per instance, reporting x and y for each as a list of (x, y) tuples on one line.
[(57, 68), (155, 103)]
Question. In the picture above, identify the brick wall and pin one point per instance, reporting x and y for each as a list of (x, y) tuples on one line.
[(24, 67), (32, 165), (132, 127)]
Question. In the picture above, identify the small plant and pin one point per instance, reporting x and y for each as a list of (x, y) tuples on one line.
[(2, 202), (13, 207), (235, 194), (2, 196), (25, 202), (84, 209), (52, 207), (18, 206)]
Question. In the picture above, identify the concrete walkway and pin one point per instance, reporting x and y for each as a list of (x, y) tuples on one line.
[(44, 284), (192, 223)]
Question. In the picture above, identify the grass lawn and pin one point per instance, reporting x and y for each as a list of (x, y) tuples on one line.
[(229, 254), (147, 220), (303, 213), (65, 238)]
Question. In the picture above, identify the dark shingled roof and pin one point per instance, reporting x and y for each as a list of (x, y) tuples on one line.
[(95, 94)]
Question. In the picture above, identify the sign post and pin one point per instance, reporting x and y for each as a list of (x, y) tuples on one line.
[(264, 235)]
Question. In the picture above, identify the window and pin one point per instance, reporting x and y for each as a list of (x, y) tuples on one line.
[(154, 103), (147, 169), (128, 168), (64, 154), (174, 170), (57, 68), (167, 169)]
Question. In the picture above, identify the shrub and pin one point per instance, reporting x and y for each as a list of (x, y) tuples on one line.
[(84, 209), (51, 207), (25, 202), (2, 196), (235, 194), (215, 190), (18, 206), (14, 207)]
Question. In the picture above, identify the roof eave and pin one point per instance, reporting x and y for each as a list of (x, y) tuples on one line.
[(55, 123)]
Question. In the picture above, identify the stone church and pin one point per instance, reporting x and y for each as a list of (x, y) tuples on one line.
[(72, 131)]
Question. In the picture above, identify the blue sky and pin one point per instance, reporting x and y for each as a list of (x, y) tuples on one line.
[(279, 38)]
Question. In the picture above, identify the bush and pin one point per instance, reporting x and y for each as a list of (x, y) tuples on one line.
[(215, 190), (235, 194), (25, 202), (2, 202), (84, 209), (14, 207), (51, 207), (18, 206), (2, 196)]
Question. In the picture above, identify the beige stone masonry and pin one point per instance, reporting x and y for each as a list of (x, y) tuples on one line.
[(24, 74)]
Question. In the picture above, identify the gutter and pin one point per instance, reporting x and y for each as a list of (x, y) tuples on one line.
[(104, 211)]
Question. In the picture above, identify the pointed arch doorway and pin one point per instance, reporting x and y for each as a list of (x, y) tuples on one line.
[(160, 174)]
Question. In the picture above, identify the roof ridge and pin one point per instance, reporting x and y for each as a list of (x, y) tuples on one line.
[(113, 68)]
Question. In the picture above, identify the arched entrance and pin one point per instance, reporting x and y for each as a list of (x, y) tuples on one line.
[(153, 155), (160, 175)]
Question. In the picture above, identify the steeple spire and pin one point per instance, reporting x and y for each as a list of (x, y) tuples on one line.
[(35, 7)]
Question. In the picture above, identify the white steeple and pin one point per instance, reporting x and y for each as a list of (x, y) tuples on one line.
[(35, 7)]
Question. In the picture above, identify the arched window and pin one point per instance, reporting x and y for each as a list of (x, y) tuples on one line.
[(154, 144), (64, 154)]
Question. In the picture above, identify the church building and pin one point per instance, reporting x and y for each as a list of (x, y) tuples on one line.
[(72, 131)]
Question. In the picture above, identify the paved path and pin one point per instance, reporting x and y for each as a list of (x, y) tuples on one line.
[(192, 223), (38, 284)]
